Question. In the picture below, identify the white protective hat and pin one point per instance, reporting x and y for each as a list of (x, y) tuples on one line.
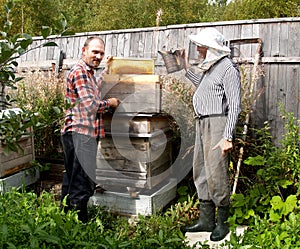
[(210, 37)]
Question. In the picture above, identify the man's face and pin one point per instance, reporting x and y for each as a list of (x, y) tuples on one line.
[(202, 51), (93, 54)]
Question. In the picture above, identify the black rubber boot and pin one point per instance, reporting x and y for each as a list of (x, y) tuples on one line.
[(83, 214), (206, 222), (81, 209), (222, 228)]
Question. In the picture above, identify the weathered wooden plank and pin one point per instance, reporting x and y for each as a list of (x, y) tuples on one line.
[(268, 60), (14, 157), (121, 44), (148, 45), (134, 149), (124, 164), (109, 44), (292, 88), (115, 44), (134, 44), (127, 38)]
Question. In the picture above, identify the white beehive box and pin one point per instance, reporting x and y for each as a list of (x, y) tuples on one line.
[(144, 204)]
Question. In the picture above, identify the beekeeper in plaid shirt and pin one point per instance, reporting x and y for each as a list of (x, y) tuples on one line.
[(83, 127)]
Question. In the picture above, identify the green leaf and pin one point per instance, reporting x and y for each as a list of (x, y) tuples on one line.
[(152, 241), (25, 43), (7, 10), (46, 31), (49, 44), (285, 183), (56, 110), (277, 203), (274, 216), (255, 161), (290, 204)]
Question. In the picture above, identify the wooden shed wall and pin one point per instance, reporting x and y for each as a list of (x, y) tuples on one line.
[(281, 55)]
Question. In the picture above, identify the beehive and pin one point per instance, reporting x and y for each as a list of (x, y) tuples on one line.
[(136, 153), (137, 93)]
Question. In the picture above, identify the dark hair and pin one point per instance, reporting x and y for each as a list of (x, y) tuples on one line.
[(88, 40)]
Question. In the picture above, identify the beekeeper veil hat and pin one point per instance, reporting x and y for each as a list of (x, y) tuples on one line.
[(211, 38)]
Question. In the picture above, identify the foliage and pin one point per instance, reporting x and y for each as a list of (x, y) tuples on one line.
[(97, 15), (278, 228), (31, 221), (43, 94), (253, 9), (11, 47), (277, 169)]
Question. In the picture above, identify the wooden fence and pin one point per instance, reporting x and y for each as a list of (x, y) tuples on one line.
[(279, 62)]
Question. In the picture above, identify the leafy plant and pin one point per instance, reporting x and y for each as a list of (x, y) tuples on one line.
[(43, 94), (276, 169), (14, 126), (31, 221)]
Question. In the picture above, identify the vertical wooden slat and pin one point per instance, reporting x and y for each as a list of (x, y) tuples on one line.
[(121, 44), (127, 38), (148, 46)]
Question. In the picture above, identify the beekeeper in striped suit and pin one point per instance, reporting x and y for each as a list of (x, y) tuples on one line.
[(217, 104)]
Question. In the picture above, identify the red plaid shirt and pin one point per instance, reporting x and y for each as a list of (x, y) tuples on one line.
[(84, 115)]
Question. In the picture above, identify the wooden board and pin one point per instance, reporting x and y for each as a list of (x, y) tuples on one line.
[(13, 162), (137, 93)]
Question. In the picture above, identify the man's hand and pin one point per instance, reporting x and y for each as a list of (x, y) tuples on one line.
[(108, 61), (114, 102), (224, 145)]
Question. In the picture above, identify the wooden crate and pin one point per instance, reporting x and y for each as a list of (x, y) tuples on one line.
[(13, 162), (131, 66), (137, 93), (147, 203), (139, 162)]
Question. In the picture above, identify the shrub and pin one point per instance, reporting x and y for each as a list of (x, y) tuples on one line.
[(43, 94)]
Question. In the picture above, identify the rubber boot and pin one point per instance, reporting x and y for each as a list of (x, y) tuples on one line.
[(83, 214), (222, 228), (81, 209), (206, 222)]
